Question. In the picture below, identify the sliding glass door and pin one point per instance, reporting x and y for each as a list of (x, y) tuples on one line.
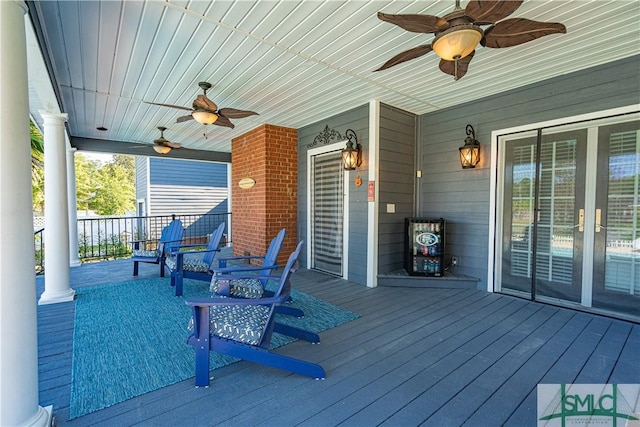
[(570, 216)]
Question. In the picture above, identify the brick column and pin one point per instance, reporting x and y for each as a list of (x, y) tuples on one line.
[(268, 154)]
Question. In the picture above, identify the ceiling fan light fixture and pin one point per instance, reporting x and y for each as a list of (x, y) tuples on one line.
[(204, 117), (161, 149), (457, 42)]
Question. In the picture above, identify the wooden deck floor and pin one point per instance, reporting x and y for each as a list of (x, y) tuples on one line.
[(437, 357)]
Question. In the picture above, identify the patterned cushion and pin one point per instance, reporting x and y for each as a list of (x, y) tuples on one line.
[(195, 265), (244, 323), (240, 288), (143, 253), (189, 263)]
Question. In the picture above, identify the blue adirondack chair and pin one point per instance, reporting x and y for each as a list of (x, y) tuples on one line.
[(193, 264), (251, 288), (242, 327), (171, 236)]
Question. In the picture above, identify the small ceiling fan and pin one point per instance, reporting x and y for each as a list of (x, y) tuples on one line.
[(205, 111), (162, 145), (458, 33)]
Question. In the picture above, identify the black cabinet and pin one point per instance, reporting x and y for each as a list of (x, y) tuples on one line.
[(424, 243)]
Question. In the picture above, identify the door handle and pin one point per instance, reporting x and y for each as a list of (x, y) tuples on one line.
[(580, 220), (599, 226)]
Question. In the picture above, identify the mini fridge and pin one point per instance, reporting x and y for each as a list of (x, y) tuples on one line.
[(424, 243)]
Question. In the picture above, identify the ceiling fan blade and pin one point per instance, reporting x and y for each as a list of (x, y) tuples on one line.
[(406, 56), (169, 105), (415, 23), (456, 70), (515, 31), (232, 113), (223, 121), (160, 141), (204, 103), (184, 118), (489, 11), (172, 144)]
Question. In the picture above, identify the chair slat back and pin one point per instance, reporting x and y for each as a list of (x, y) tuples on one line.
[(282, 293), (271, 257), (214, 243), (170, 237), (284, 286)]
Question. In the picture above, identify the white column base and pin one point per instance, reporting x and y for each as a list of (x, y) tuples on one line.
[(44, 417), (51, 298), (75, 263)]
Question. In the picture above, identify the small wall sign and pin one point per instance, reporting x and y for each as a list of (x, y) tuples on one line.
[(246, 183), (371, 191)]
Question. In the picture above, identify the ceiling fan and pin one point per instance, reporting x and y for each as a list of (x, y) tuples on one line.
[(162, 145), (205, 111), (458, 33)]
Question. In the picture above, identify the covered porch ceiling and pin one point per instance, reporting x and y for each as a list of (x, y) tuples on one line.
[(294, 62)]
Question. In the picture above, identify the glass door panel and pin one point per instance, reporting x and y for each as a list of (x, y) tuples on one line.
[(558, 268), (551, 235), (616, 269), (519, 203)]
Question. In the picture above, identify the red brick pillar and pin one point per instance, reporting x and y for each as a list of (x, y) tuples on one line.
[(267, 154)]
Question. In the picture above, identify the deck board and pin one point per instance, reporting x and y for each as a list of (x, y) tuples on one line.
[(415, 357)]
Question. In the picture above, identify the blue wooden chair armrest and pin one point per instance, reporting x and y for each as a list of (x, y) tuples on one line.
[(218, 270), (246, 276), (179, 253), (210, 302), (143, 240), (222, 262), (172, 241), (195, 245)]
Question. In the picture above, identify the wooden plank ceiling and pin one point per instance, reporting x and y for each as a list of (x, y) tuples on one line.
[(293, 62)]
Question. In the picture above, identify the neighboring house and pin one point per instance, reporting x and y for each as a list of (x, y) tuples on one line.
[(167, 186)]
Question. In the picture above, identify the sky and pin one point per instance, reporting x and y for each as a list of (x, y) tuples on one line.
[(101, 157)]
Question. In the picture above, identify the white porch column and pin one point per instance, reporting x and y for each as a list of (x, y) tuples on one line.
[(18, 327), (56, 212), (74, 260)]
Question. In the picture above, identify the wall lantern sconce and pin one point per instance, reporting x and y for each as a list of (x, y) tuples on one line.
[(470, 151), (351, 157)]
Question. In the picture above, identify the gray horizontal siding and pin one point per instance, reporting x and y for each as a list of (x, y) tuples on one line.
[(462, 196), (187, 173), (396, 180), (170, 199)]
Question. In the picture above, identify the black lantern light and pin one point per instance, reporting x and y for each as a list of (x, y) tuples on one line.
[(470, 151), (351, 156)]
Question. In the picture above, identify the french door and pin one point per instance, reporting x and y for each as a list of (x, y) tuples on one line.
[(570, 203), (326, 212)]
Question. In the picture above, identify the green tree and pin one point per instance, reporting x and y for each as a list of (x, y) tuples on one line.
[(86, 182), (115, 190), (37, 168)]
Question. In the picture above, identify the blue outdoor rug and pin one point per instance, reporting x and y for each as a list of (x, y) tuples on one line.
[(130, 338)]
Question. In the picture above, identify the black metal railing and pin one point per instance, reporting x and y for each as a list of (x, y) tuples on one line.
[(38, 244), (111, 237)]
